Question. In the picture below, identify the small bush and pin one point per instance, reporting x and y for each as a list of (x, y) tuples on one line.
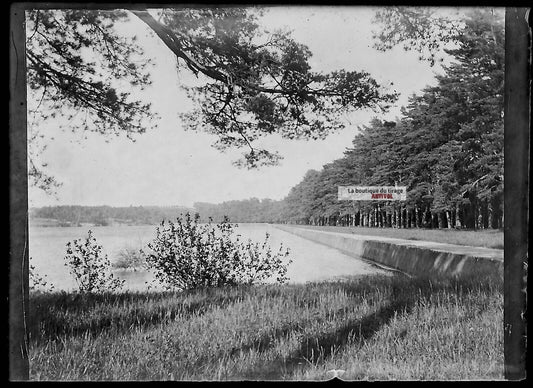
[(189, 255), (38, 282), (130, 257), (90, 269)]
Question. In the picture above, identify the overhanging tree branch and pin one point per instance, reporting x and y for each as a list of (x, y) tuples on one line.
[(169, 38)]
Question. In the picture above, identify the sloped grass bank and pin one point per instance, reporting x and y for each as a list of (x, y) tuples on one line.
[(373, 327), (487, 238)]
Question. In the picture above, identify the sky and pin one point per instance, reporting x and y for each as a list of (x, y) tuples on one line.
[(168, 166)]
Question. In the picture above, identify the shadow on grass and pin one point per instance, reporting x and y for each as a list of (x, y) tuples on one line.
[(268, 339), (315, 349), (71, 314), (55, 314)]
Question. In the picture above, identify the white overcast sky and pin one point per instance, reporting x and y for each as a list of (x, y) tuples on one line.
[(168, 166)]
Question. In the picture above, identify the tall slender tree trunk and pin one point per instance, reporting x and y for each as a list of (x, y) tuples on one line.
[(496, 212), (473, 221), (486, 214), (440, 220), (448, 220), (480, 215), (452, 218), (490, 214)]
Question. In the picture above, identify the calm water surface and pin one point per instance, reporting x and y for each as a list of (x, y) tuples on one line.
[(311, 261)]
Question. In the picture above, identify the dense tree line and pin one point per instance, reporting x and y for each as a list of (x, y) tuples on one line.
[(447, 148), (106, 215), (248, 210)]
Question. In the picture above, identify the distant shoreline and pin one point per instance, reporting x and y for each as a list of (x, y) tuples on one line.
[(55, 223)]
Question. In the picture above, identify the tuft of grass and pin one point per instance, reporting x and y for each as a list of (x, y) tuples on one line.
[(373, 327), (488, 238)]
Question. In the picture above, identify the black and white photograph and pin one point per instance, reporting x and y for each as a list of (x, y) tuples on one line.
[(268, 192)]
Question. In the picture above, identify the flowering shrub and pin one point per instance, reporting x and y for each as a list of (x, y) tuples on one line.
[(189, 255), (90, 269)]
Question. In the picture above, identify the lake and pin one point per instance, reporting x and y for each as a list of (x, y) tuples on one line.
[(311, 261)]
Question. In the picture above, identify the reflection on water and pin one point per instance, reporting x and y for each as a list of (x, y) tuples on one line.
[(311, 261)]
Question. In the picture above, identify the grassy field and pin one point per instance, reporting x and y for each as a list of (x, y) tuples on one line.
[(488, 238), (374, 328)]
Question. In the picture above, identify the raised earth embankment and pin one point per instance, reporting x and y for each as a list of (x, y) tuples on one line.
[(411, 257)]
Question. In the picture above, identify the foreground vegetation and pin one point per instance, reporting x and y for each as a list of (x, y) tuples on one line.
[(375, 328), (488, 238)]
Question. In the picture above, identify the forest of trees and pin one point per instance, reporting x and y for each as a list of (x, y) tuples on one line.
[(248, 210), (107, 215), (447, 148)]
